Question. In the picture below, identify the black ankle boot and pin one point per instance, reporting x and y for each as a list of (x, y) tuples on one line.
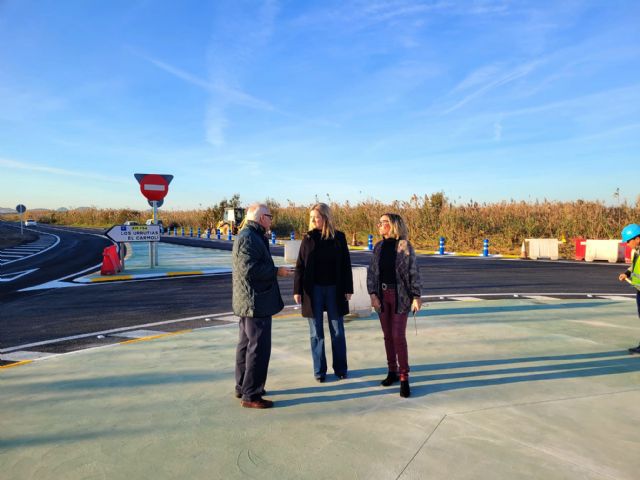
[(405, 391), (392, 377)]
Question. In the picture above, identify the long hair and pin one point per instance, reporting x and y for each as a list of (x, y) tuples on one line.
[(399, 229), (328, 229)]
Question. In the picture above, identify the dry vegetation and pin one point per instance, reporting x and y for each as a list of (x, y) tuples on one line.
[(505, 224)]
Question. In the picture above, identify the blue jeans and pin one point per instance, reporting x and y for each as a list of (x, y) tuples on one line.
[(324, 298)]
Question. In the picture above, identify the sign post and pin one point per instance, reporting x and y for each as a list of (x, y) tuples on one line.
[(154, 187), (21, 209)]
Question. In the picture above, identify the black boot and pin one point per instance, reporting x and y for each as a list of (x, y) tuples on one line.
[(392, 377), (405, 391), (635, 349)]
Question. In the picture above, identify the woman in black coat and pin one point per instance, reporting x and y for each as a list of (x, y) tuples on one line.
[(324, 282)]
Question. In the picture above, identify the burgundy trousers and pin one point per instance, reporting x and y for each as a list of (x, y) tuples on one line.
[(394, 327)]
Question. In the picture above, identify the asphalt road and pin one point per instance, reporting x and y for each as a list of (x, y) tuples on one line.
[(43, 315), (76, 251)]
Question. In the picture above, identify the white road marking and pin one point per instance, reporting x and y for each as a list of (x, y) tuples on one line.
[(541, 297), (138, 333), (22, 355), (24, 257), (216, 316), (616, 297), (8, 277), (466, 299)]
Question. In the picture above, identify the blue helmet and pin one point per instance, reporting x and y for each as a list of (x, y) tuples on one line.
[(630, 232)]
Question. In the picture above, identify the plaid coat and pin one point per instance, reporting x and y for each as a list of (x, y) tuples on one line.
[(407, 275)]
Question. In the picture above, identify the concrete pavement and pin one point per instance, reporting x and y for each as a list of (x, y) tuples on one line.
[(502, 389)]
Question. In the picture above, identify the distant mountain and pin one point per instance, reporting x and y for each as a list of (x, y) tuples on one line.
[(7, 210)]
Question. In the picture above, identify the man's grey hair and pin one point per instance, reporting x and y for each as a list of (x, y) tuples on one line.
[(255, 211)]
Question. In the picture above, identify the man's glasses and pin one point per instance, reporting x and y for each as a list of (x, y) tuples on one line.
[(268, 215)]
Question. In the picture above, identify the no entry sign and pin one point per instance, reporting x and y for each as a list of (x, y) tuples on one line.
[(153, 186)]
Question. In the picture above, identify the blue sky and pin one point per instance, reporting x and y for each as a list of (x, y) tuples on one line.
[(484, 100)]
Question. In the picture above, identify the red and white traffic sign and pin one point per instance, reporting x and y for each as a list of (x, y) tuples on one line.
[(154, 187)]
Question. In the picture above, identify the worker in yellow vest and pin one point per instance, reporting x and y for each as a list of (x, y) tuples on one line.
[(631, 235)]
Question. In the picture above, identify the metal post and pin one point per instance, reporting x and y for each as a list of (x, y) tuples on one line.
[(191, 231), (218, 233), (155, 222), (229, 234), (485, 247), (199, 232), (293, 235), (21, 222), (182, 231), (441, 248), (273, 238), (208, 234), (370, 242), (121, 252)]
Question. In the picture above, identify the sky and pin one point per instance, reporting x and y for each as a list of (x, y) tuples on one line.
[(484, 100)]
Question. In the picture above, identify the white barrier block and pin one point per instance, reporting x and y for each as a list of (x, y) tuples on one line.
[(541, 248), (291, 249), (609, 250), (360, 303)]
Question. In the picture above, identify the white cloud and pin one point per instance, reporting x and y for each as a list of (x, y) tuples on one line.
[(15, 165), (495, 81)]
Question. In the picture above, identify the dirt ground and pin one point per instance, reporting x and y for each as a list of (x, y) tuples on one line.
[(10, 237)]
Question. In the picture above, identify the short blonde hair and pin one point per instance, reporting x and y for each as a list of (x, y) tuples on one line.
[(399, 229), (328, 229)]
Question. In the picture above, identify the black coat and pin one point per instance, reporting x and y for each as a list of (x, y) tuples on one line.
[(256, 292), (303, 280)]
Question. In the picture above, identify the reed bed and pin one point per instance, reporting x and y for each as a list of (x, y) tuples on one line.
[(505, 224)]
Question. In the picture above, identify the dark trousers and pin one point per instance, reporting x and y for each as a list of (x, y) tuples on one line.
[(324, 298), (638, 300), (252, 356), (394, 328)]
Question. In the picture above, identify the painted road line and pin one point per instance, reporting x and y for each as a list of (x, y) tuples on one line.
[(138, 333), (153, 337), (467, 299), (153, 275), (16, 364), (112, 278), (215, 316), (56, 242), (542, 298), (22, 355), (8, 277), (616, 297)]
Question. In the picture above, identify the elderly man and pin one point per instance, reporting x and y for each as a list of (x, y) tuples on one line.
[(256, 297)]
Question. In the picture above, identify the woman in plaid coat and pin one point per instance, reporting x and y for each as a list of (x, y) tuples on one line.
[(393, 282)]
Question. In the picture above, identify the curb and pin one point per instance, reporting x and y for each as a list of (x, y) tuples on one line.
[(136, 276)]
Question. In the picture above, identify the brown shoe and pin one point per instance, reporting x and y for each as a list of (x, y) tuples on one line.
[(259, 403)]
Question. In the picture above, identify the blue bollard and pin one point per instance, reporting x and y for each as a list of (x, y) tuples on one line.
[(370, 243), (485, 247), (191, 231), (218, 233), (198, 232), (273, 238), (229, 234), (182, 231), (293, 235), (208, 233), (441, 248)]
